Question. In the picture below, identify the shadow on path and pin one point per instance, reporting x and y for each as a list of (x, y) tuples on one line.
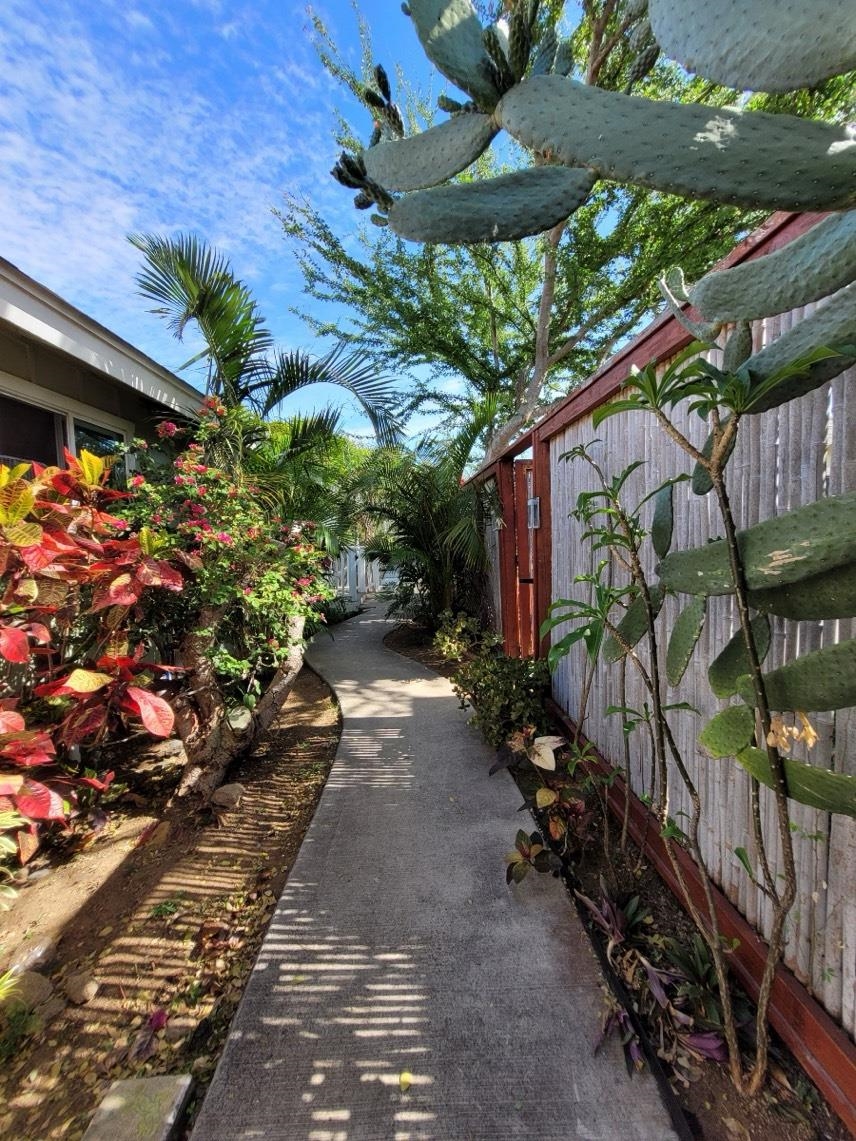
[(403, 991)]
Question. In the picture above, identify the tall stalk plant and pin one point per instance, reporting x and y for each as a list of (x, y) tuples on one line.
[(749, 566)]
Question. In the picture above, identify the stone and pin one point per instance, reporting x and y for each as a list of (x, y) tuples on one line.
[(141, 1109), (228, 797), (31, 990), (81, 988), (32, 955)]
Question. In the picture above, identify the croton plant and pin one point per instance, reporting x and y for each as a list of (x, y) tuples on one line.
[(71, 675)]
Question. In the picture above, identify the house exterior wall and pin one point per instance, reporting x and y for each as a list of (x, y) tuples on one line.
[(55, 358)]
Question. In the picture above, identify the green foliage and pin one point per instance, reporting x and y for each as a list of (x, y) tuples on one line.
[(17, 1023), (732, 663), (507, 693), (683, 639), (257, 570), (423, 522), (458, 635), (191, 282), (806, 784)]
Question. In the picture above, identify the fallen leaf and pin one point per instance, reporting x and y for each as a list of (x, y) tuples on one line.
[(405, 1080)]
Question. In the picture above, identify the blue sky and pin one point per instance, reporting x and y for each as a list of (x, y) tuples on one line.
[(167, 117)]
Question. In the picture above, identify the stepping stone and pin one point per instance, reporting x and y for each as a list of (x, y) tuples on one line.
[(141, 1109)]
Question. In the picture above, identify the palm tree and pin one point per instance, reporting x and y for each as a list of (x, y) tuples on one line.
[(193, 283), (426, 522)]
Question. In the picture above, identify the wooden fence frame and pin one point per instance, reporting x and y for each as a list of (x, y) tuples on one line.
[(825, 1051)]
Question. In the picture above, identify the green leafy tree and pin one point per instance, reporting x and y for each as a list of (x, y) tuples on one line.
[(419, 517)]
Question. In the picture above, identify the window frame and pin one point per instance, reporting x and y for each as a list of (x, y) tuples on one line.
[(66, 407)]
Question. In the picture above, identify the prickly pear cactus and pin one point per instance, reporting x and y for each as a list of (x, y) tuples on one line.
[(432, 156), (451, 34), (687, 149), (494, 210), (786, 549), (833, 326), (813, 266), (759, 45)]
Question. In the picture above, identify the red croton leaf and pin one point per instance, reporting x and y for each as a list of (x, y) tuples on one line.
[(38, 802), (27, 748), (14, 645), (155, 713), (40, 633), (156, 572), (83, 722), (10, 785), (99, 785), (10, 721), (121, 591)]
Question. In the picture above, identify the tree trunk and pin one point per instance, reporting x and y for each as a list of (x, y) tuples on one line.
[(212, 738)]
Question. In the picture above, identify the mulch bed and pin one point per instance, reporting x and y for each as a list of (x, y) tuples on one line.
[(169, 929)]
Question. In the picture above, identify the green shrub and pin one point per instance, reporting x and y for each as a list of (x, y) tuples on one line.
[(459, 635), (506, 693)]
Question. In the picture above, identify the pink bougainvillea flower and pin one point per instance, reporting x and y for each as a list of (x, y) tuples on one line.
[(166, 428)]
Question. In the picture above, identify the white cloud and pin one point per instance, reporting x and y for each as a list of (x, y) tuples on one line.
[(99, 138)]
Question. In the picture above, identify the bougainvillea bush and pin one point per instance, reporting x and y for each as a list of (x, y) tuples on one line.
[(257, 577), (73, 674)]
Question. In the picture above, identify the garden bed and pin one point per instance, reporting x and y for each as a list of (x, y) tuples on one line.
[(789, 1108), (164, 913)]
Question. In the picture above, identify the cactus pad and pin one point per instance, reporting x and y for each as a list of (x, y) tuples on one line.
[(432, 156), (733, 662), (767, 46), (818, 788), (813, 266), (493, 210), (729, 732), (722, 153), (823, 680), (633, 625), (833, 326), (663, 523), (451, 34), (831, 594), (786, 549), (685, 634)]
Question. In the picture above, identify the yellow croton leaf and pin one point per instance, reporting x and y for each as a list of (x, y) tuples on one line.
[(23, 534), (544, 797), (87, 681), (17, 500), (91, 467), (11, 474)]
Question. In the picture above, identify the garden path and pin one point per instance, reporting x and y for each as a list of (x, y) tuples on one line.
[(403, 992)]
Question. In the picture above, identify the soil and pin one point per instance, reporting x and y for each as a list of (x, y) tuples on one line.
[(166, 913), (789, 1108)]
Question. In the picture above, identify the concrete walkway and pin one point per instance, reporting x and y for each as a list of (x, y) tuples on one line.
[(403, 992)]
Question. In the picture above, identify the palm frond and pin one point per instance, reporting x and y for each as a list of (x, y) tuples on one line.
[(353, 371), (194, 283)]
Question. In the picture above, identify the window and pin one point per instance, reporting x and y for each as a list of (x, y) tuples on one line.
[(40, 427), (29, 433)]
